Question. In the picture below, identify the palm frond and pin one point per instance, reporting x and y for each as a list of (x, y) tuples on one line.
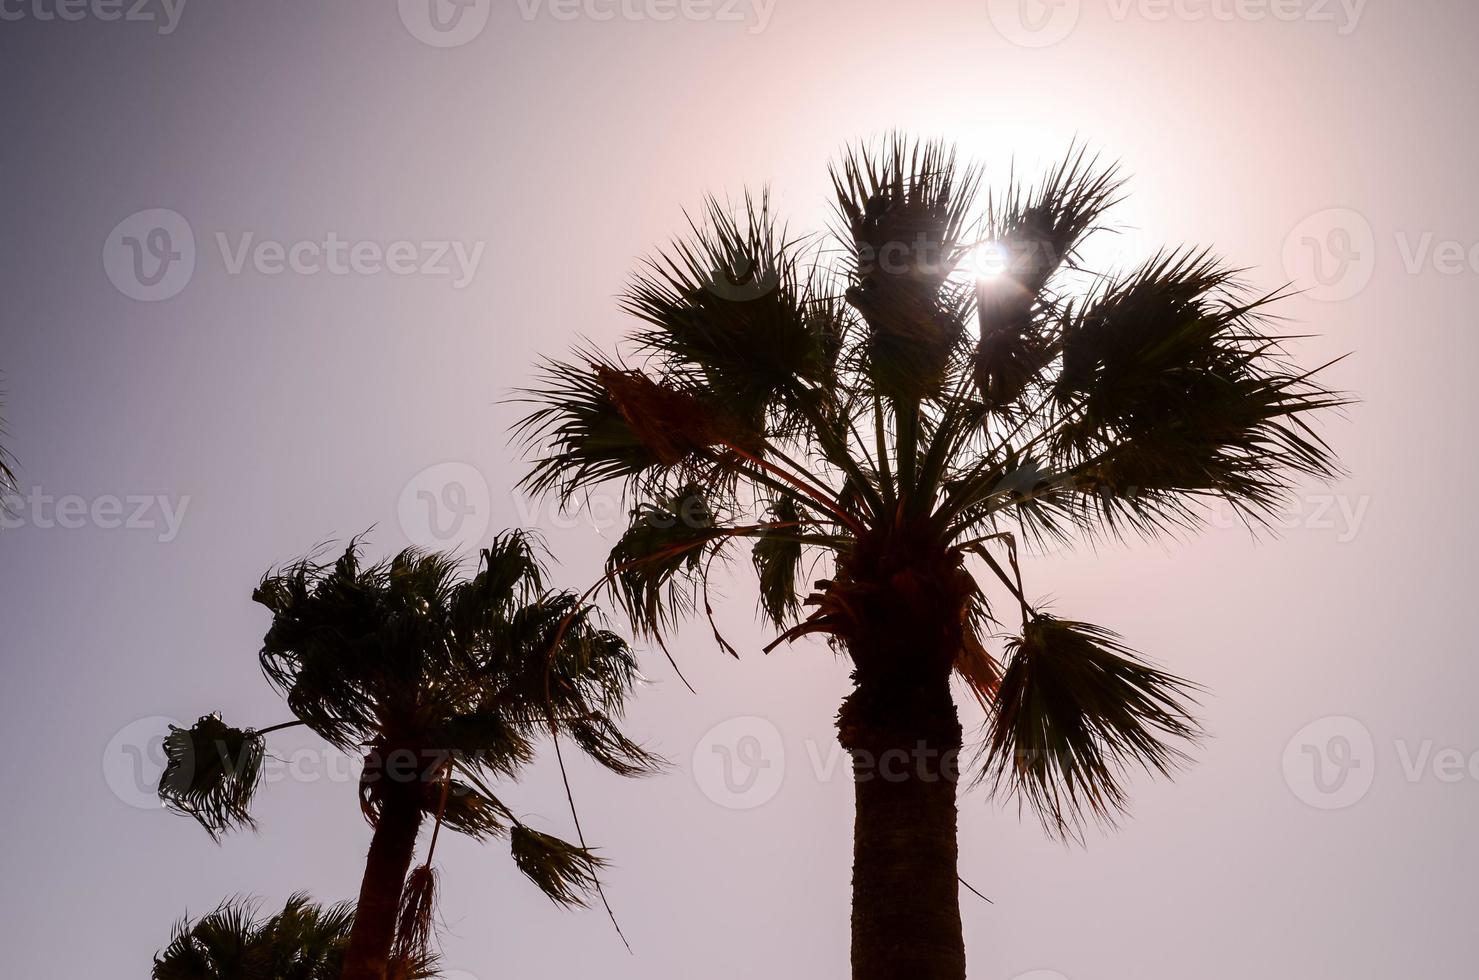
[(600, 739), (304, 941), (653, 568), (471, 812), (415, 927), (777, 559), (906, 209), (566, 873), (1075, 709), (580, 433), (212, 772), (1177, 390), (729, 309)]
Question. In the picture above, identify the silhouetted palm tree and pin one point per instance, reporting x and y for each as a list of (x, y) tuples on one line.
[(302, 942), (445, 684), (904, 423)]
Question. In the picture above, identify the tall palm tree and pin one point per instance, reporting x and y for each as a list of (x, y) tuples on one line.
[(445, 684), (873, 407), (302, 942)]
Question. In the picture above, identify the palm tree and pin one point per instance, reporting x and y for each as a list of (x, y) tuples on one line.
[(302, 942), (874, 408), (445, 684)]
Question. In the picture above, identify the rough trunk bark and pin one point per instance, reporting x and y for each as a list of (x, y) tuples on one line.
[(905, 744), (391, 849)]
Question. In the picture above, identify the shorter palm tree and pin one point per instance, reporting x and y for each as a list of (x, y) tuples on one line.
[(302, 942), (446, 684)]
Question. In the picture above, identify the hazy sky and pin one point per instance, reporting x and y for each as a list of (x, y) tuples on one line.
[(374, 223)]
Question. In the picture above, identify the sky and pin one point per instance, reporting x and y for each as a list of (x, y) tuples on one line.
[(272, 270)]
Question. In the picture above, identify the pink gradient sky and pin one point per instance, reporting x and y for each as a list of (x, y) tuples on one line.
[(295, 408)]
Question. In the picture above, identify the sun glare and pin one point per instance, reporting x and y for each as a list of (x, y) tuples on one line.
[(986, 261)]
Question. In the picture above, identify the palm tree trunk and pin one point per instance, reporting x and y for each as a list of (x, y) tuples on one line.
[(905, 739), (391, 849)]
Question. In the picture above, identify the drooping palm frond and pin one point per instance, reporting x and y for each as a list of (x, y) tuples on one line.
[(653, 568), (472, 812), (415, 929), (1076, 708), (606, 745), (566, 873), (777, 557), (212, 772)]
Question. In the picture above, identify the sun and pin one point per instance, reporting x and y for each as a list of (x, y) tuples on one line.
[(987, 260)]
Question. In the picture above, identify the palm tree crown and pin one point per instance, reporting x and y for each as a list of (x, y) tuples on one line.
[(446, 684), (302, 942), (871, 410)]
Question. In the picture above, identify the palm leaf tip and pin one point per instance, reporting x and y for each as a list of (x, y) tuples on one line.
[(1075, 710), (212, 772), (566, 873)]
